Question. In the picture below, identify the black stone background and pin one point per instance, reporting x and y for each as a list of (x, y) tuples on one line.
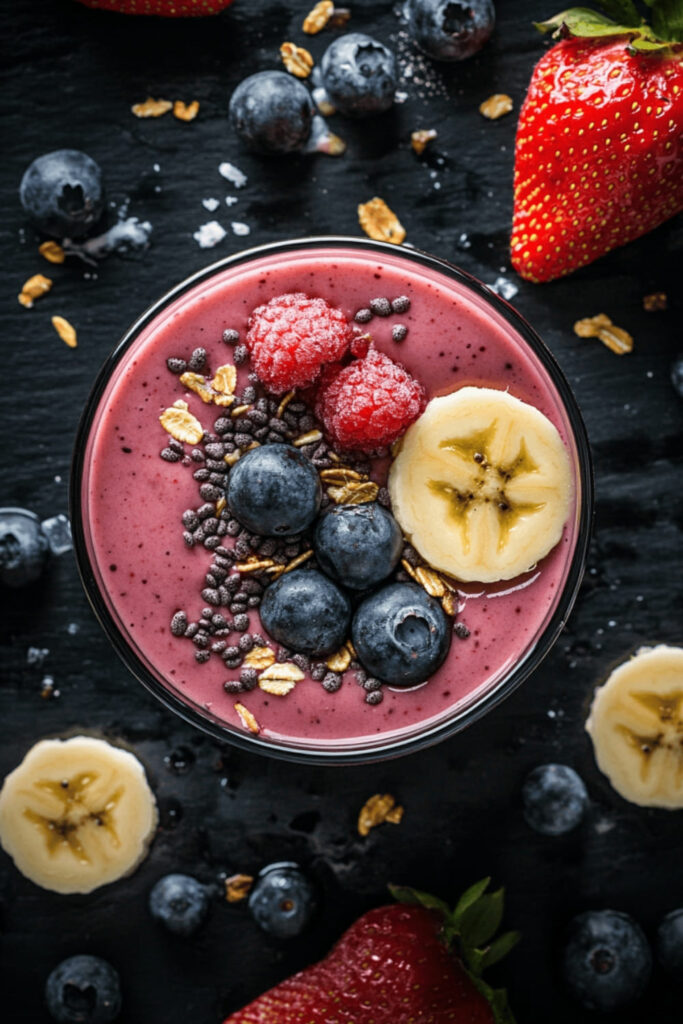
[(70, 78)]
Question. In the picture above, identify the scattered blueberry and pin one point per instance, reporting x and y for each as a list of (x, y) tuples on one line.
[(274, 490), (359, 545), (401, 634), (607, 960), (359, 75), (83, 990), (554, 798), (306, 611), (23, 547), (180, 903), (677, 375), (670, 943), (272, 112), (282, 900), (450, 29), (62, 193)]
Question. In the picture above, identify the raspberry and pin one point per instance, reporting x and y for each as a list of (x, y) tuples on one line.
[(292, 337), (369, 403)]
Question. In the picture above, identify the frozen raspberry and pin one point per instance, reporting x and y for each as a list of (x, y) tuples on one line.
[(369, 403), (292, 337)]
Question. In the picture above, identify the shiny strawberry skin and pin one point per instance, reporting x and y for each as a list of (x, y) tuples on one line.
[(390, 967), (164, 8), (599, 153)]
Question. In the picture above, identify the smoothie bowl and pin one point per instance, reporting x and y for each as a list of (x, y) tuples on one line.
[(331, 499)]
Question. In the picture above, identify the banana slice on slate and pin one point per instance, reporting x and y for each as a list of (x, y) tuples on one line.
[(481, 485), (636, 725), (76, 814)]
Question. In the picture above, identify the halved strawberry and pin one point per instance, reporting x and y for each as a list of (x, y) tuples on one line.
[(415, 962), (599, 151)]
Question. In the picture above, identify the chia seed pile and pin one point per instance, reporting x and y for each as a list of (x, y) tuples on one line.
[(255, 417)]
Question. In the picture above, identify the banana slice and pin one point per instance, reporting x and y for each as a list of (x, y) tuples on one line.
[(481, 485), (76, 814), (636, 725)]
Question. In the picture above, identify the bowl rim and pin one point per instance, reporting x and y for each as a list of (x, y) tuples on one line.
[(442, 730)]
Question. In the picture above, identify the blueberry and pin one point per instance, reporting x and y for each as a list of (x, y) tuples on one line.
[(670, 943), (282, 900), (607, 961), (274, 490), (272, 112), (180, 903), (450, 29), (554, 798), (62, 193), (23, 547), (83, 990), (359, 75), (401, 634), (359, 545), (677, 375), (307, 612)]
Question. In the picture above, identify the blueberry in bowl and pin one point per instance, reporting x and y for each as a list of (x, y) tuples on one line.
[(359, 75), (62, 193), (607, 960), (450, 30), (274, 490), (401, 635), (180, 903), (670, 943), (282, 900), (83, 990), (358, 545), (306, 611), (23, 547), (272, 112)]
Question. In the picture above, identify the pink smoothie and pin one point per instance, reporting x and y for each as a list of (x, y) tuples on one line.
[(133, 501)]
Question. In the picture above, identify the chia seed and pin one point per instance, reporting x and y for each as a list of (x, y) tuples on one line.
[(332, 682), (383, 497), (302, 661), (318, 671), (376, 697), (179, 624), (201, 475), (371, 684), (192, 630), (204, 511), (231, 337), (230, 653), (461, 630), (176, 365), (399, 332), (241, 623), (188, 538), (223, 425), (196, 455), (380, 307), (363, 316), (254, 601), (240, 354), (243, 440), (233, 686), (209, 492), (197, 360), (168, 455), (249, 678), (219, 646), (249, 394), (401, 304), (211, 595)]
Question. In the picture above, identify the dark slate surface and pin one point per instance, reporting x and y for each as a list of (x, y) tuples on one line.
[(71, 77)]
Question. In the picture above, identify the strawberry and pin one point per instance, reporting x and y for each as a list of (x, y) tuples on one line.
[(164, 8), (599, 151), (415, 962)]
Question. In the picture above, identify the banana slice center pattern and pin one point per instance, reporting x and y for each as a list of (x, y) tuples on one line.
[(62, 829), (476, 480)]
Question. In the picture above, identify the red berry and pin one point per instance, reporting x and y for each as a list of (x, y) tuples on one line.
[(292, 337), (369, 403)]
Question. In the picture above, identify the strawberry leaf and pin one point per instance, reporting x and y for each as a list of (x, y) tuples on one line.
[(498, 949), (469, 897), (480, 922), (667, 19), (624, 12), (580, 21), (406, 894)]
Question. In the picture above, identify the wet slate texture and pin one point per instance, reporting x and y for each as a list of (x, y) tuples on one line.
[(70, 79)]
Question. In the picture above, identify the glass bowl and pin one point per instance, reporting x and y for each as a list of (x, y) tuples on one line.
[(206, 714)]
